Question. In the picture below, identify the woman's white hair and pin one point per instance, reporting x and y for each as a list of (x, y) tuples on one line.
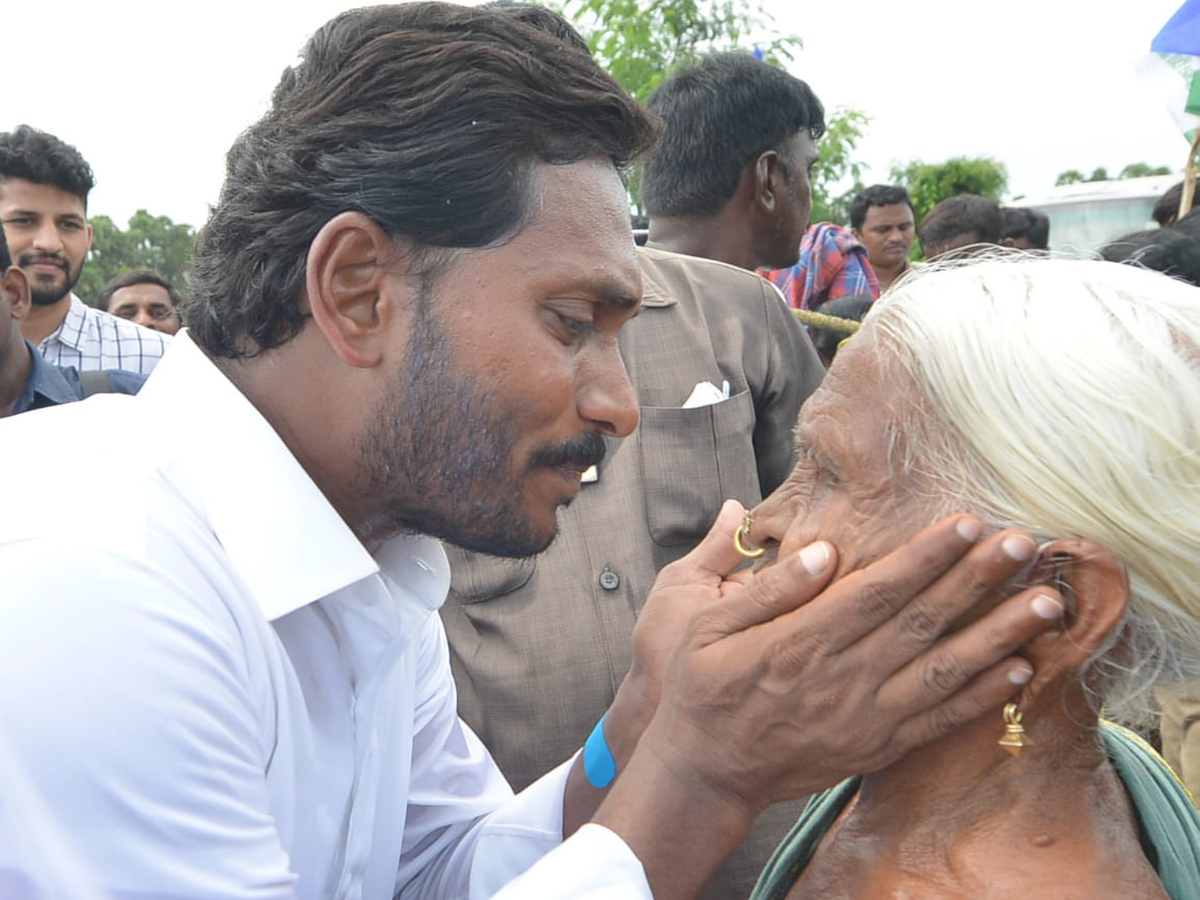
[(1063, 396)]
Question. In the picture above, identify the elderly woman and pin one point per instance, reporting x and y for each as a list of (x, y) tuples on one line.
[(1061, 397)]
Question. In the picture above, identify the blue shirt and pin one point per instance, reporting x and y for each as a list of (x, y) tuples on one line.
[(49, 385)]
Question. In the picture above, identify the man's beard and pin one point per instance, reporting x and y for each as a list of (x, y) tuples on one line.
[(438, 454), (50, 294)]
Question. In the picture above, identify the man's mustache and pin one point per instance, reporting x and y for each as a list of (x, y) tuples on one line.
[(578, 453), (29, 259)]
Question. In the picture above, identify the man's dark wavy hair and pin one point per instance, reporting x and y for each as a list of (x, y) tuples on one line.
[(1024, 222), (426, 117), (720, 114), (875, 195), (42, 158), (958, 215)]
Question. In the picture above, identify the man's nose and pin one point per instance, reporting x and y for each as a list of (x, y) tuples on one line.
[(606, 396), (47, 238)]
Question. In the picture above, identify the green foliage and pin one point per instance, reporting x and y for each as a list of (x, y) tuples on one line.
[(930, 184), (837, 168), (639, 42), (150, 242), (1133, 170), (1142, 170)]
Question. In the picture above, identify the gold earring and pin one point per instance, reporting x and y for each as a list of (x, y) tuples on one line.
[(739, 539), (1015, 739)]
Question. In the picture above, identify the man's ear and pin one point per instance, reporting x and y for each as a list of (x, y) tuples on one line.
[(1095, 588), (15, 285), (768, 181), (347, 287)]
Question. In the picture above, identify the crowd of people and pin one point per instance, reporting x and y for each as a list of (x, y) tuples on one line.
[(456, 544)]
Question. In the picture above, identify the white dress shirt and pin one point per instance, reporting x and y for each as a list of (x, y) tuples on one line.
[(210, 689), (90, 339)]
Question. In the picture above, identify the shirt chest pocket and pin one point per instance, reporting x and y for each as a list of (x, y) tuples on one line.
[(692, 461)]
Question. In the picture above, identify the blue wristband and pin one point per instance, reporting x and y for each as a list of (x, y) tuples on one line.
[(598, 763)]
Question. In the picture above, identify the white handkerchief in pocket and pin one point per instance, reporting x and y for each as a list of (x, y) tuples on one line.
[(706, 394)]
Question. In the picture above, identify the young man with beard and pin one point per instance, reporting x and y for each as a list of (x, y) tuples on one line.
[(27, 381), (224, 675), (44, 184)]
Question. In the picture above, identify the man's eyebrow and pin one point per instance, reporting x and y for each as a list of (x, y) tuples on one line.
[(614, 294)]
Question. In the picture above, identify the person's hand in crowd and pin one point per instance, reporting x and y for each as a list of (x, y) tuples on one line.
[(777, 685)]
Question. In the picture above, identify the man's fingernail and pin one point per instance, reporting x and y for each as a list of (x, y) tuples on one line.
[(969, 529), (1019, 546), (1047, 607), (815, 557), (1021, 674)]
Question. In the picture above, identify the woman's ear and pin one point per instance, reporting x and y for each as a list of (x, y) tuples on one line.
[(1095, 590)]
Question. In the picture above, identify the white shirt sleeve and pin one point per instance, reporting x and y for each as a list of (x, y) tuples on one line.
[(138, 749), (593, 864), (514, 851)]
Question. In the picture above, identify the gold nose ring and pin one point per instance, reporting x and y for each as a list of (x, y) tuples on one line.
[(740, 539)]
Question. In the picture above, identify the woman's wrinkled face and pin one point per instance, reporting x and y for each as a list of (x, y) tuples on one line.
[(844, 488)]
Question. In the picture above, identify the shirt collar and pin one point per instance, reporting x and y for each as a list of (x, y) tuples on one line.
[(44, 381), (654, 293), (78, 329), (281, 534)]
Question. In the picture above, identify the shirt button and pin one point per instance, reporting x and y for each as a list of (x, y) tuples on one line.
[(609, 580)]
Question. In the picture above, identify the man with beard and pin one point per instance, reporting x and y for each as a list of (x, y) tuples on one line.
[(26, 380), (719, 367), (223, 674), (44, 184)]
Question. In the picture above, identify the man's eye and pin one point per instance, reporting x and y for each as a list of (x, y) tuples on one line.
[(578, 327), (571, 328)]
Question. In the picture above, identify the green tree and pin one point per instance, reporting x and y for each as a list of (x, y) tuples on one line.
[(149, 242), (838, 169), (1133, 170), (641, 42), (929, 184), (1142, 170)]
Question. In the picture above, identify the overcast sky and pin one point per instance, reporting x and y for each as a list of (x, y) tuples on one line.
[(153, 93)]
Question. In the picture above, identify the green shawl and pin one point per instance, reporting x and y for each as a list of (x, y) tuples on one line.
[(1167, 819)]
